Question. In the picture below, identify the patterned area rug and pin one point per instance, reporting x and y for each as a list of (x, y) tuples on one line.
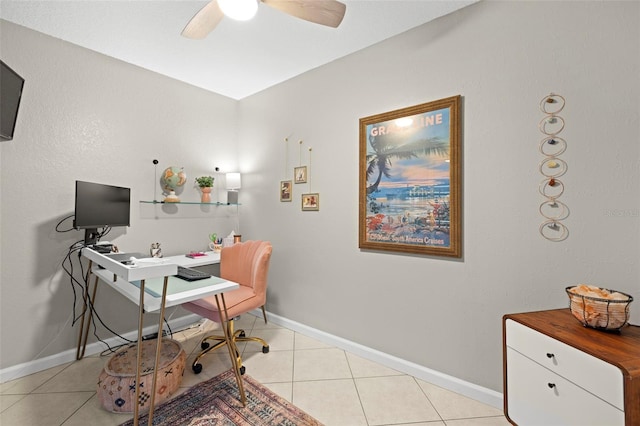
[(217, 402)]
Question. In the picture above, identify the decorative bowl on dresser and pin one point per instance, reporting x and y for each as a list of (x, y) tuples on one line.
[(558, 372)]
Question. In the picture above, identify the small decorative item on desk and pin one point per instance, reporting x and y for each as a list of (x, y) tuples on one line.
[(599, 308), (155, 251), (229, 240), (195, 254), (205, 183), (216, 243)]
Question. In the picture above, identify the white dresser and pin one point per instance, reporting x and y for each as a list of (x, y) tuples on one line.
[(558, 372)]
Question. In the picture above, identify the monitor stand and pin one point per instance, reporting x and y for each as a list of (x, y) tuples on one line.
[(90, 236)]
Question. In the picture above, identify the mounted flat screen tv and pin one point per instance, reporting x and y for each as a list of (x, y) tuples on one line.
[(10, 93), (100, 206)]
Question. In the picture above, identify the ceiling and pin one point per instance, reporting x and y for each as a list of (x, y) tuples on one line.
[(237, 59)]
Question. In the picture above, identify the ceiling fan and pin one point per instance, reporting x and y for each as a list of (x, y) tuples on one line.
[(323, 12)]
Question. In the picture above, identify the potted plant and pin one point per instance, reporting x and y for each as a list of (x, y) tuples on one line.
[(205, 183)]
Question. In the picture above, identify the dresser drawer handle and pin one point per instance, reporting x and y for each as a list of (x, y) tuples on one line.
[(550, 355), (551, 385)]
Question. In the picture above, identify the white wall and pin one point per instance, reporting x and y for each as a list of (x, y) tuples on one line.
[(503, 58), (89, 117)]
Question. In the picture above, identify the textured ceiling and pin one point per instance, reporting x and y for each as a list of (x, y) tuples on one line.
[(238, 58)]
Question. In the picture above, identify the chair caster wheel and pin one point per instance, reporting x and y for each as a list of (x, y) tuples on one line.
[(197, 368), (265, 349), (242, 370), (242, 334), (204, 345)]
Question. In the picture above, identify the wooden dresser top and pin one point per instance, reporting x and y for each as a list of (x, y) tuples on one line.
[(621, 349)]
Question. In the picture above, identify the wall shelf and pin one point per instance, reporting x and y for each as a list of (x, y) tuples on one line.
[(191, 202)]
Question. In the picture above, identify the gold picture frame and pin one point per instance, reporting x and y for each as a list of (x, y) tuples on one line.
[(311, 202), (286, 190), (300, 174), (410, 188)]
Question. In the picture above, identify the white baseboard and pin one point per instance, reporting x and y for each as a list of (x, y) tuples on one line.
[(471, 390), (445, 381), (40, 364)]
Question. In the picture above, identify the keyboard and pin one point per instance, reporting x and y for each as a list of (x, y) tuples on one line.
[(189, 274)]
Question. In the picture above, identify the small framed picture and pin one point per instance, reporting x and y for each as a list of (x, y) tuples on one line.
[(311, 202), (285, 190), (300, 174)]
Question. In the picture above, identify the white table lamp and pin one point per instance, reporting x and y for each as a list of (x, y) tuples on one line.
[(233, 184)]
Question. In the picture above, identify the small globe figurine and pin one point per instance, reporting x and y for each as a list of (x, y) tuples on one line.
[(172, 178)]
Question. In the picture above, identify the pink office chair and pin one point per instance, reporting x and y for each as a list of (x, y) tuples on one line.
[(246, 263)]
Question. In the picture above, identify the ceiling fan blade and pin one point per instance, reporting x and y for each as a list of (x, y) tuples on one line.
[(323, 12), (204, 21)]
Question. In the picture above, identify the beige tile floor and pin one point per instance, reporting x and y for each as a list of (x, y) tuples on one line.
[(334, 386)]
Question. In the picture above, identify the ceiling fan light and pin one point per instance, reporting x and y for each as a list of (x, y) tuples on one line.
[(240, 10)]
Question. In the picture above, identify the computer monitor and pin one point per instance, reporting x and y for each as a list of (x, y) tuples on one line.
[(10, 94), (100, 206)]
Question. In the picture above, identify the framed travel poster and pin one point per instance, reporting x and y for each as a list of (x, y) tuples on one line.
[(410, 169)]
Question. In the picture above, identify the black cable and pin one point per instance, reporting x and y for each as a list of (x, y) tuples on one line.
[(169, 331), (62, 220), (99, 319), (72, 249), (68, 267), (68, 260), (104, 232)]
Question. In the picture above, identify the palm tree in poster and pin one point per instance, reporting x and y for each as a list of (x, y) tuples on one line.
[(394, 146)]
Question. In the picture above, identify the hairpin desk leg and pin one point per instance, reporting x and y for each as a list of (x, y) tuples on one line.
[(231, 345), (158, 349), (136, 405), (83, 334)]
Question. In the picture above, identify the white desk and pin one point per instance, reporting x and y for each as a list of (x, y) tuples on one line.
[(130, 281), (119, 277)]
